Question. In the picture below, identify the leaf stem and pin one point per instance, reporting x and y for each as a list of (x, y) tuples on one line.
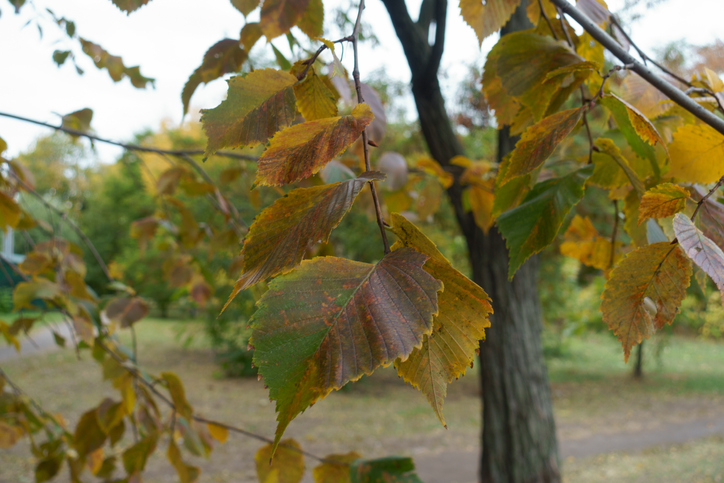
[(365, 140), (706, 197)]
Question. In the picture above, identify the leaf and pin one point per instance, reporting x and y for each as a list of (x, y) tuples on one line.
[(463, 310), (78, 120), (135, 457), (333, 320), (245, 6), (249, 35), (504, 105), (287, 465), (334, 468), (126, 311), (35, 263), (582, 242), (428, 198), (711, 217), (697, 154), (312, 21), (702, 251), (538, 142), (481, 201), (219, 433), (178, 394), (488, 17), (301, 150), (282, 61), (10, 212), (282, 233), (617, 174), (279, 16), (635, 127), (186, 473), (393, 469), (114, 65), (525, 61), (257, 106), (25, 292), (534, 224), (661, 201), (88, 436), (129, 6), (224, 57), (644, 292), (631, 213), (432, 167), (533, 11), (9, 435), (314, 99)]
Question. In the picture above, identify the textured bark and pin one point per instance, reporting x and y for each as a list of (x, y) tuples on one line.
[(518, 436)]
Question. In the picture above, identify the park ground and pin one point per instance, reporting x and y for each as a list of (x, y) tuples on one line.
[(667, 427)]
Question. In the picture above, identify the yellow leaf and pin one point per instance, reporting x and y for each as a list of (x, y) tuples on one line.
[(697, 154), (314, 99), (463, 310), (219, 433), (430, 166), (606, 174), (644, 292), (661, 201), (286, 467), (299, 151), (486, 18), (481, 201), (9, 435), (335, 468), (582, 242)]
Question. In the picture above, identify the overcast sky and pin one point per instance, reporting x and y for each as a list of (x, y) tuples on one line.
[(168, 38)]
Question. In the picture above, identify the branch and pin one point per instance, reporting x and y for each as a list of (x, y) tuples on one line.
[(365, 140), (417, 50), (659, 83), (433, 61), (130, 147), (706, 197), (425, 16)]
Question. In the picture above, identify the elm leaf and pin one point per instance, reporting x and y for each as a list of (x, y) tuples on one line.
[(702, 251), (332, 320), (661, 201)]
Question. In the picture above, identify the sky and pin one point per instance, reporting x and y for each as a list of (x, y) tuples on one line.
[(167, 39)]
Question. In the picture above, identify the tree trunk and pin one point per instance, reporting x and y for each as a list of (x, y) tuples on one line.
[(638, 371), (518, 435)]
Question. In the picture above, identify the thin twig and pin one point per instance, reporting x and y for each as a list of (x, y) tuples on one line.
[(548, 20), (365, 141), (614, 233), (130, 147), (706, 197)]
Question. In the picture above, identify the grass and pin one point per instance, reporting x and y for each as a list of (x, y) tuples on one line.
[(592, 390)]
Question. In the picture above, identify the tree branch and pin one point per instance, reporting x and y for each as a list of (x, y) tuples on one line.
[(130, 147), (659, 83), (433, 61)]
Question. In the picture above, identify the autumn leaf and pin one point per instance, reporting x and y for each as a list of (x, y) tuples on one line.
[(661, 201), (126, 311), (582, 242), (287, 465), (528, 67), (644, 292), (702, 251), (334, 468), (282, 233), (631, 213), (114, 65), (178, 395), (224, 57), (332, 320), (186, 473), (245, 6), (257, 106), (538, 142), (301, 150), (612, 170), (129, 6), (463, 310), (697, 154), (532, 225), (78, 120), (710, 217), (312, 21), (314, 99), (25, 292), (433, 168), (393, 469), (249, 35), (503, 104), (486, 18), (636, 128), (219, 433), (279, 16)]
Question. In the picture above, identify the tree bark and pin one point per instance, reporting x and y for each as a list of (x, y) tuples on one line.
[(518, 435), (638, 371)]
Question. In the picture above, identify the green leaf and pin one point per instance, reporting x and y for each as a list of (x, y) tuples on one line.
[(249, 35), (279, 16), (636, 128), (301, 150), (314, 99), (135, 457), (78, 120), (282, 61), (25, 292), (526, 59), (702, 251), (631, 213), (644, 292), (257, 106), (286, 465), (488, 17), (312, 21), (333, 320), (224, 57), (282, 233), (335, 468), (245, 6), (60, 56), (538, 142), (463, 309), (88, 436), (129, 6), (612, 170), (534, 224), (393, 469)]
